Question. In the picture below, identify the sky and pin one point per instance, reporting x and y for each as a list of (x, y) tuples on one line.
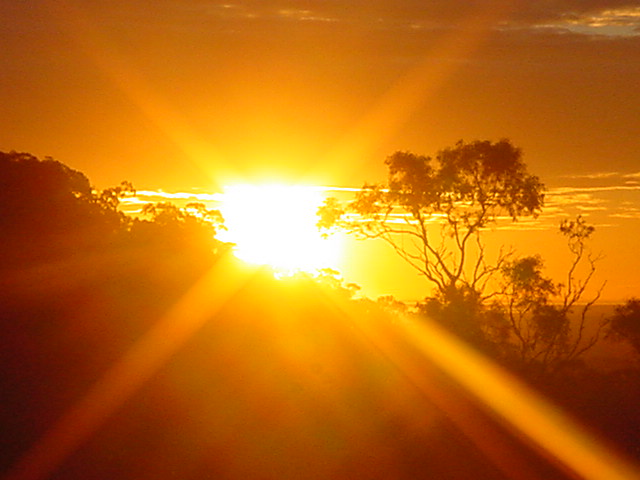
[(194, 94)]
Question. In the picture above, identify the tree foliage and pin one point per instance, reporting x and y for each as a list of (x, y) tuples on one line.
[(193, 227), (625, 323), (44, 197), (463, 312), (49, 210), (548, 320), (432, 211)]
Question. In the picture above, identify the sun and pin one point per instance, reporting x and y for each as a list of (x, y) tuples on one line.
[(275, 225)]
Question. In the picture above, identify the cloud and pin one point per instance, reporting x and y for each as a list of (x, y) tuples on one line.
[(621, 17), (579, 190), (624, 21), (133, 205), (574, 10), (591, 208), (525, 227), (627, 212), (159, 195), (593, 176), (593, 14), (608, 17), (304, 15), (602, 204), (605, 199), (267, 10), (614, 199), (608, 180)]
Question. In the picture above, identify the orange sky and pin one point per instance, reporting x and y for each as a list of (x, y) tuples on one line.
[(195, 93)]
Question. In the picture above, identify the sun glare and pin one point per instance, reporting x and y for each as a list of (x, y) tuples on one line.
[(275, 225)]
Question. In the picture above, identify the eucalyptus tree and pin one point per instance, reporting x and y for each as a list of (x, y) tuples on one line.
[(548, 321), (433, 211)]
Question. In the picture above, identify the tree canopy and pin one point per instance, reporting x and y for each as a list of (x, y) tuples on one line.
[(46, 196), (432, 210), (434, 213), (540, 312), (625, 323), (49, 210)]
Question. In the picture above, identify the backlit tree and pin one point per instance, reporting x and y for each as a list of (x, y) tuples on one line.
[(433, 211)]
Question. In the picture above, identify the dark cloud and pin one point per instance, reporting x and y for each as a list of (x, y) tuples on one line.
[(373, 14), (546, 11), (412, 12)]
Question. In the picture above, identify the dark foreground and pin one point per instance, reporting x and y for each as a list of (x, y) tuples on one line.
[(136, 367)]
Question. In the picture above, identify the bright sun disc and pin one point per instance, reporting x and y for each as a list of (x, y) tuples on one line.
[(275, 225)]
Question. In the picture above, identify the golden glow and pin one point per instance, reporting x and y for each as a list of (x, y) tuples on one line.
[(275, 225), (131, 371), (525, 410)]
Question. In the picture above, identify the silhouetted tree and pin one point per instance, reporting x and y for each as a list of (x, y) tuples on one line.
[(548, 333), (625, 323), (168, 214), (78, 285), (463, 312), (48, 209), (40, 196), (193, 227), (432, 211), (391, 304)]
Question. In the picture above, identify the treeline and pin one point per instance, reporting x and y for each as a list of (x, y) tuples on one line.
[(49, 211), (436, 213), (80, 284), (280, 381), (274, 381)]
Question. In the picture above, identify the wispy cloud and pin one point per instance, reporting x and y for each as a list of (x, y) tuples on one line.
[(602, 203), (609, 188), (595, 175), (266, 10), (616, 17), (562, 199), (607, 195), (592, 17), (627, 215), (627, 210), (609, 180), (621, 21), (133, 205), (152, 195), (305, 15)]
